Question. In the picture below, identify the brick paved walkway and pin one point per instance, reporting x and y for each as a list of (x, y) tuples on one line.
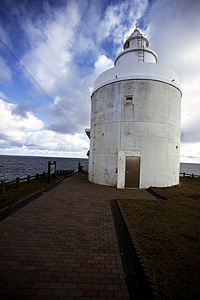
[(64, 246)]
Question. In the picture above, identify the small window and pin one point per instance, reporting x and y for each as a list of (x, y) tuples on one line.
[(126, 45), (129, 99)]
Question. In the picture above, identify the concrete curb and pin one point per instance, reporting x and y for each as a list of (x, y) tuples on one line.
[(159, 196), (138, 281)]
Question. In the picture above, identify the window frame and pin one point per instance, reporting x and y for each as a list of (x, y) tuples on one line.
[(129, 99)]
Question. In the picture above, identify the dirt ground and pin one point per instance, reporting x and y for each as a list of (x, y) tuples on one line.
[(167, 233), (13, 194)]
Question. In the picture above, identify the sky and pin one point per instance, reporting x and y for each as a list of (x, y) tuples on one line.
[(53, 50)]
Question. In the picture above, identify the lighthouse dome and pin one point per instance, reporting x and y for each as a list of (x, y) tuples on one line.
[(136, 49), (137, 61)]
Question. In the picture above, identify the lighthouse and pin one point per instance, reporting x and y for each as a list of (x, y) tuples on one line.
[(135, 120)]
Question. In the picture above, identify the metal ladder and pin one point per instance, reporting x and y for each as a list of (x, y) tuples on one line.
[(141, 52)]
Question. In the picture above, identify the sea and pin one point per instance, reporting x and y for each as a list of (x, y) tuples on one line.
[(190, 168), (12, 167)]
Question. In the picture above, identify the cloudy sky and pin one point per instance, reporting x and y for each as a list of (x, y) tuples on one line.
[(52, 51)]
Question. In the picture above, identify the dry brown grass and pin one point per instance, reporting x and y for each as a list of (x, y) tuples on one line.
[(167, 235), (12, 194)]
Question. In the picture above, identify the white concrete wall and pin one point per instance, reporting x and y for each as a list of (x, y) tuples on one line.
[(128, 71), (148, 128), (131, 56)]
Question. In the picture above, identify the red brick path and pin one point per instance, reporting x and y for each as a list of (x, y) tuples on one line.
[(64, 246)]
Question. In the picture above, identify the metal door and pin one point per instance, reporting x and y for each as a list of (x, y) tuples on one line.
[(132, 171)]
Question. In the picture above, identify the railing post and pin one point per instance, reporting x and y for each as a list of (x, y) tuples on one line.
[(17, 182), (183, 174), (49, 165), (28, 179), (2, 186)]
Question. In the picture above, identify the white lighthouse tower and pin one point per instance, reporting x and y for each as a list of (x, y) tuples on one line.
[(135, 121)]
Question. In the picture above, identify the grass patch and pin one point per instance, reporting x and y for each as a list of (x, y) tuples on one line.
[(167, 235), (13, 195)]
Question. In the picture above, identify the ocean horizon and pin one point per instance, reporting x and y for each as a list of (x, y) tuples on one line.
[(13, 166)]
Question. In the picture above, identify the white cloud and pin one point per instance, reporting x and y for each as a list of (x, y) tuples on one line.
[(57, 100), (26, 134), (59, 42), (2, 95), (174, 27), (191, 109), (102, 64), (190, 152), (50, 55), (13, 127), (5, 73), (4, 35), (52, 141), (63, 51), (117, 15)]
